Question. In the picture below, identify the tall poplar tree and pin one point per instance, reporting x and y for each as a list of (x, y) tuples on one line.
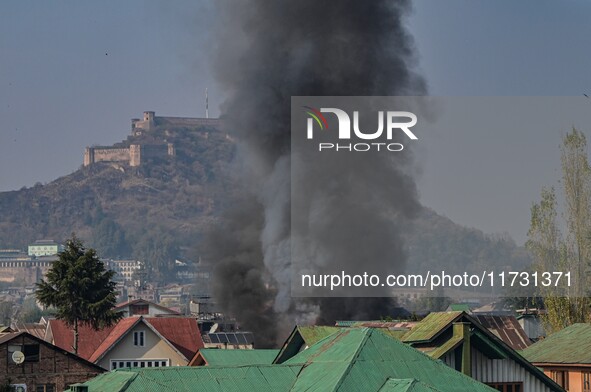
[(80, 288), (571, 251)]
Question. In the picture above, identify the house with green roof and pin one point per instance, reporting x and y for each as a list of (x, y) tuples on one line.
[(460, 341), (351, 359), (565, 356)]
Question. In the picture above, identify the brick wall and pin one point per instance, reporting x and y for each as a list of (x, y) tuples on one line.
[(53, 367)]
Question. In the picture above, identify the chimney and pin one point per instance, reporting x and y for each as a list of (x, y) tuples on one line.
[(463, 330)]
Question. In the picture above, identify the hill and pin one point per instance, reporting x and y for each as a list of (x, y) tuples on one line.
[(160, 210)]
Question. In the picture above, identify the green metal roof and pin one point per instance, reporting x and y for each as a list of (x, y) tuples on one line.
[(459, 307), (215, 356), (314, 333), (364, 359), (407, 385), (350, 360), (197, 379), (430, 326), (570, 345)]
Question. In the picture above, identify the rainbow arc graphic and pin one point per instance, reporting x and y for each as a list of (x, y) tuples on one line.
[(316, 115)]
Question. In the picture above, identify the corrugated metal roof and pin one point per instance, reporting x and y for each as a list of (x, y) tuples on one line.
[(431, 326), (570, 345), (214, 356), (314, 333), (506, 328), (356, 357), (197, 379), (88, 339), (406, 385)]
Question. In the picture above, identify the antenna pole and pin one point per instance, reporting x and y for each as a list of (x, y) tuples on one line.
[(206, 104)]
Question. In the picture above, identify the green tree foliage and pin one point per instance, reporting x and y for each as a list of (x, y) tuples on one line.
[(109, 237), (570, 251), (80, 289), (6, 312)]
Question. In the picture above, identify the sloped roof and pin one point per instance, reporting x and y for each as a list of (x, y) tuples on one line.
[(146, 302), (181, 332), (506, 328), (406, 385), (366, 356), (351, 359), (33, 328), (116, 334), (262, 378), (431, 326), (88, 338), (302, 336), (215, 356), (572, 345), (5, 338)]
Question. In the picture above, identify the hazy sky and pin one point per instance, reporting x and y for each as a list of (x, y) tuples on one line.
[(73, 73)]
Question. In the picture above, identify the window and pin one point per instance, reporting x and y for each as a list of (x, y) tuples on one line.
[(507, 386), (45, 388), (586, 381), (122, 363), (139, 309), (138, 338), (560, 377), (31, 352)]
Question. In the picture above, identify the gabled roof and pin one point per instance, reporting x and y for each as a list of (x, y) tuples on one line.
[(141, 301), (197, 379), (426, 334), (88, 338), (182, 333), (366, 356), (572, 345), (303, 336), (506, 328), (431, 326), (5, 338), (116, 334), (351, 359), (216, 356), (36, 329)]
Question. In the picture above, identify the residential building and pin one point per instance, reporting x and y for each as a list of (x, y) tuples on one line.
[(142, 307), (128, 271), (464, 344), (351, 359), (565, 356), (36, 365), (133, 342)]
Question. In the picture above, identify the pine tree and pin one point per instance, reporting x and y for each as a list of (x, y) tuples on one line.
[(80, 288)]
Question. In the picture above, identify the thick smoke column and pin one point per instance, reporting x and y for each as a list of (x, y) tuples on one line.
[(269, 51)]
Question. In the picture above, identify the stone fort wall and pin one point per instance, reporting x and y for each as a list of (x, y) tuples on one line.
[(135, 154)]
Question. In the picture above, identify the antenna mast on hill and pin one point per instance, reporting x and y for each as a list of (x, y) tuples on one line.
[(206, 104)]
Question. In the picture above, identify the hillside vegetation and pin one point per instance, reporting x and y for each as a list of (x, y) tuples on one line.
[(161, 210)]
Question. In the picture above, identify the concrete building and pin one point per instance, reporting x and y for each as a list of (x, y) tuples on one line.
[(45, 248)]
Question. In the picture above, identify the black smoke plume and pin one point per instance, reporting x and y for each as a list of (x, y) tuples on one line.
[(268, 51)]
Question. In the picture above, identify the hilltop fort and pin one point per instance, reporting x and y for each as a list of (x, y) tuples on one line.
[(139, 148)]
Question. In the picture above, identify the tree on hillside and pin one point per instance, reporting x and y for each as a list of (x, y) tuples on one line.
[(80, 288), (571, 251)]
